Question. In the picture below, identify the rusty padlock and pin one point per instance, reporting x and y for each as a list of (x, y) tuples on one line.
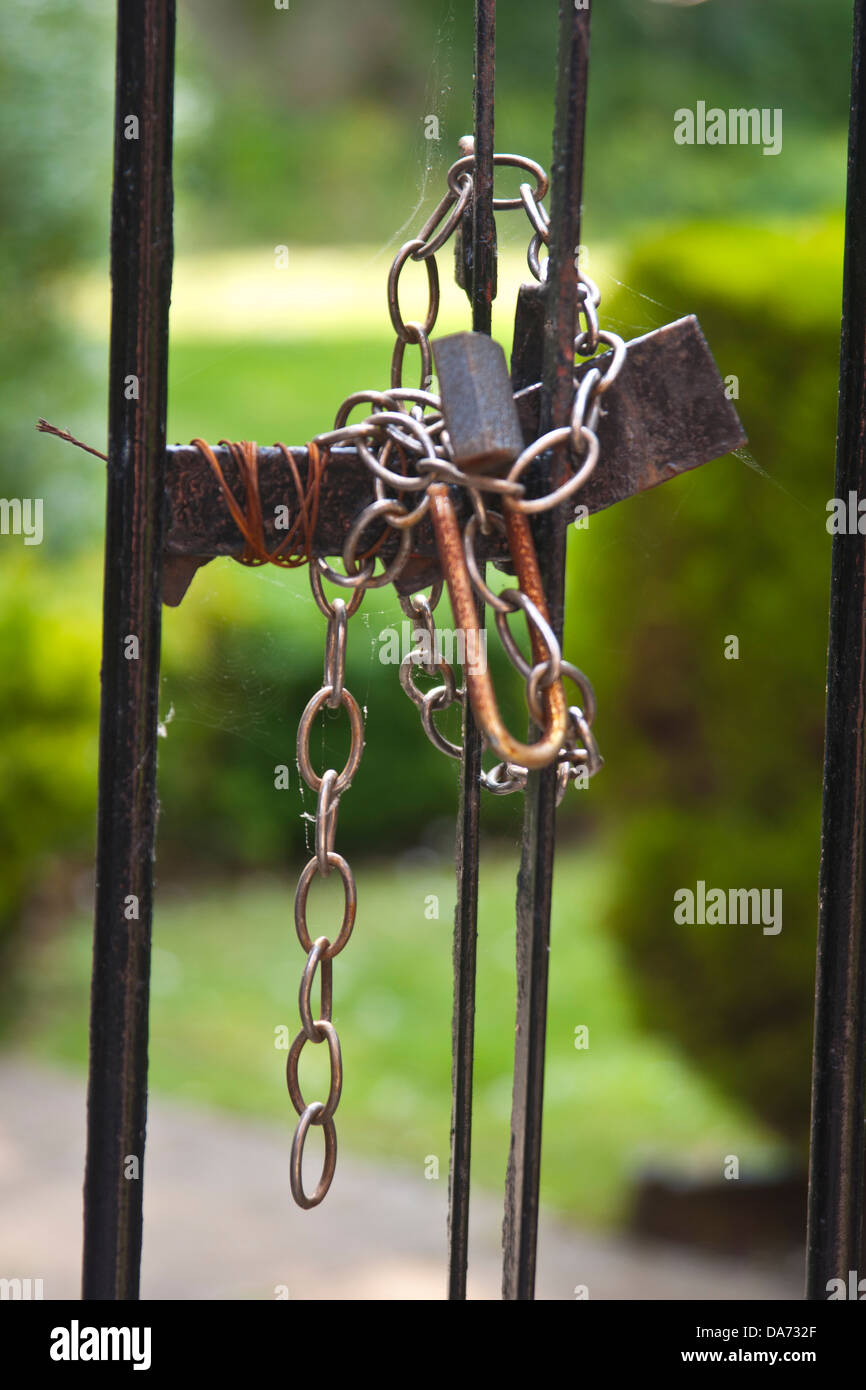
[(477, 402), (486, 437)]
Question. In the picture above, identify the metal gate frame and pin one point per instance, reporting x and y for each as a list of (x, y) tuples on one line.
[(836, 1238), (141, 266)]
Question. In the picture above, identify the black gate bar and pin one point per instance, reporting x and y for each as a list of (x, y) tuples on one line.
[(838, 1154), (534, 888), (483, 271), (141, 257)]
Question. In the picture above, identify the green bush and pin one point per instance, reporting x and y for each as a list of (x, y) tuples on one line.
[(49, 653), (714, 765)]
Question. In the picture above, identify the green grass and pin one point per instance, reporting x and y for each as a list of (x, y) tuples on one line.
[(268, 391), (226, 971)]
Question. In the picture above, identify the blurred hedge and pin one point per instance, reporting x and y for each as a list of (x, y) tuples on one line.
[(49, 654), (714, 765)]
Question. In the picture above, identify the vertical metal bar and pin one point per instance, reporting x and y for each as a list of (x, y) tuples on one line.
[(535, 879), (141, 256), (483, 220), (469, 810), (835, 1242)]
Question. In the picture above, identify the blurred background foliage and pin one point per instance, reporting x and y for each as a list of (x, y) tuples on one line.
[(306, 127), (719, 761)]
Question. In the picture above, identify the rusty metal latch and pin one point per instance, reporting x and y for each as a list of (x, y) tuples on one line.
[(486, 437)]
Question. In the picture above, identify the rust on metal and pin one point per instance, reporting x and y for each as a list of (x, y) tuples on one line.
[(522, 549), (665, 414), (450, 541), (477, 402)]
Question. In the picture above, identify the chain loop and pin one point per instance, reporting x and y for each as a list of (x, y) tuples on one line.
[(320, 570), (356, 723), (588, 310), (422, 342), (405, 522), (586, 396), (590, 287), (312, 1116), (447, 691), (403, 255), (559, 494), (535, 682), (440, 697), (386, 508), (420, 608), (533, 259), (350, 905), (504, 778), (513, 161), (410, 602), (317, 961), (535, 620), (617, 361), (329, 1035), (326, 821), (586, 755), (458, 203), (335, 653), (431, 704), (536, 213), (494, 601)]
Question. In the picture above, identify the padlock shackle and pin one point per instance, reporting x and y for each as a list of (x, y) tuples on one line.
[(449, 541)]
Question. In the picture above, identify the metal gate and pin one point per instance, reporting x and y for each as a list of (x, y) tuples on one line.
[(141, 264)]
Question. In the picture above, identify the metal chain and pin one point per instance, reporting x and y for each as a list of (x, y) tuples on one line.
[(405, 428), (406, 423), (580, 751), (404, 445), (441, 696), (329, 787)]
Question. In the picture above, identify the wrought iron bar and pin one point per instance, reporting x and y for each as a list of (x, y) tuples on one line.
[(483, 220), (141, 256), (535, 879), (835, 1243), (469, 810)]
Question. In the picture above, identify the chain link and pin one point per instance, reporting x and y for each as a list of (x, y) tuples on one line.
[(329, 787), (442, 696), (513, 161)]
